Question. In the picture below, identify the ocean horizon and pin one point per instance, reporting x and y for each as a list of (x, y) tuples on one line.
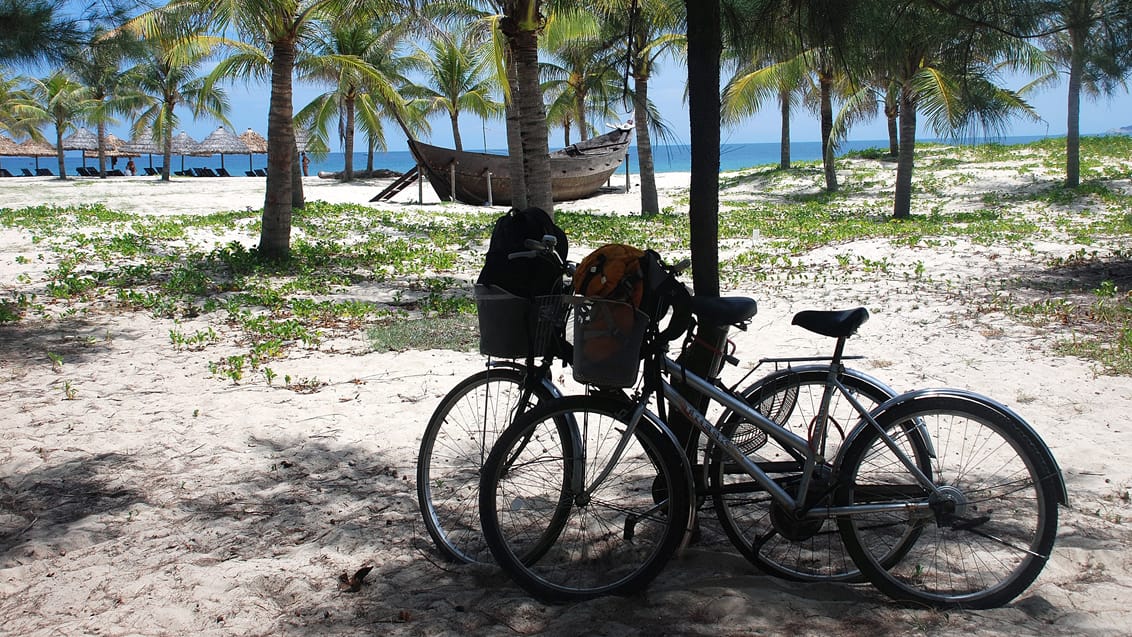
[(666, 158)]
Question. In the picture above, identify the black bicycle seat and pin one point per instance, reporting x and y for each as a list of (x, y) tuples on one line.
[(726, 310), (833, 323)]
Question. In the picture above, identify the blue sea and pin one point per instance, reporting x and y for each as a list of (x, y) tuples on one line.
[(667, 158)]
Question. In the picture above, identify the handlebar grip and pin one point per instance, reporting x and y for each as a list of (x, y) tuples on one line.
[(682, 265)]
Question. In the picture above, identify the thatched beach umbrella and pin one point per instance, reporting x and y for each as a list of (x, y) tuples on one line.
[(34, 149), (143, 144), (82, 139), (222, 141), (256, 143), (184, 145), (8, 147)]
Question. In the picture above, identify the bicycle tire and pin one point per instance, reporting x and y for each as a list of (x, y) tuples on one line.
[(614, 539), (764, 532), (989, 529), (459, 435)]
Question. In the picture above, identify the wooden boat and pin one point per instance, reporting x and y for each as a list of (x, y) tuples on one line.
[(577, 171)]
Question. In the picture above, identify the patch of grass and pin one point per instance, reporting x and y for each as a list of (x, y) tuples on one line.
[(459, 332)]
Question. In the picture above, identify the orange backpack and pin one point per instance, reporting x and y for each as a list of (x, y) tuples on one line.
[(613, 271)]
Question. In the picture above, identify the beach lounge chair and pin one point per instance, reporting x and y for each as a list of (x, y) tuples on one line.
[(44, 172), (117, 172), (27, 173), (205, 172), (149, 172), (250, 173), (81, 171), (4, 173), (221, 172), (261, 172)]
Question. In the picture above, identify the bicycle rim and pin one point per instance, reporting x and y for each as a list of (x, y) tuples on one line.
[(561, 544), (989, 530), (455, 444)]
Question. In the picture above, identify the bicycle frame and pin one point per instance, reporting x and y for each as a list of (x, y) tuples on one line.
[(785, 437)]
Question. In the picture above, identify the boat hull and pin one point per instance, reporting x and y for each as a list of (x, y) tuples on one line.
[(577, 171)]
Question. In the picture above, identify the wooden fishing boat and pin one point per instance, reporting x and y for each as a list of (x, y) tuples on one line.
[(577, 171)]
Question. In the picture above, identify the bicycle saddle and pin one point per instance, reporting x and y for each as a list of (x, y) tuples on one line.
[(832, 323), (727, 310)]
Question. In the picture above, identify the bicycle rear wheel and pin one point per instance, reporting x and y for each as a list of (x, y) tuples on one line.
[(765, 532), (985, 527), (615, 536), (460, 434)]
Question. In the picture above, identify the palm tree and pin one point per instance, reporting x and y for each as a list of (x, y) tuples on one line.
[(280, 28), (520, 26), (458, 78), (342, 57), (760, 80), (650, 32), (1091, 43), (944, 66), (58, 100), (33, 31), (99, 67), (168, 77)]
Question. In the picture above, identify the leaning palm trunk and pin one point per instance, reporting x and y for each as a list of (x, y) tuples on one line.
[(101, 130), (650, 205), (275, 235), (902, 200), (59, 152)]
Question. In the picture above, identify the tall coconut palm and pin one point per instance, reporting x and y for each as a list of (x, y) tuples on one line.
[(1091, 44), (760, 80), (580, 74), (342, 58), (58, 100), (99, 66), (457, 78), (651, 31), (280, 28), (169, 77)]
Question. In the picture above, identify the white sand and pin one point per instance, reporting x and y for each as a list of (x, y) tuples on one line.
[(163, 501)]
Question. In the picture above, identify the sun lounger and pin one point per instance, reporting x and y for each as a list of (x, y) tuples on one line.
[(4, 173), (44, 172), (261, 172), (221, 172), (250, 173), (149, 172), (27, 173), (117, 172)]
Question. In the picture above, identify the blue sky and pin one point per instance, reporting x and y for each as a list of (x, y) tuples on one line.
[(249, 110)]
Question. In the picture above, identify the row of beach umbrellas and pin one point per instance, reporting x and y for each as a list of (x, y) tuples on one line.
[(220, 142)]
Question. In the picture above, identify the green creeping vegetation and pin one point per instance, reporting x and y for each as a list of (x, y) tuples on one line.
[(224, 299)]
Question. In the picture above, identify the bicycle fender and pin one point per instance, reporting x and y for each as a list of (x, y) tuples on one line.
[(978, 399)]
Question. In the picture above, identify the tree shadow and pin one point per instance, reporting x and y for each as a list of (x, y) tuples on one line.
[(46, 503)]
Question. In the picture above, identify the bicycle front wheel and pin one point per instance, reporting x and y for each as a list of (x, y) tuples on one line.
[(577, 517), (460, 434), (765, 532), (985, 523)]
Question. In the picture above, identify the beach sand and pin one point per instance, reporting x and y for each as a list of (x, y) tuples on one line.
[(159, 500)]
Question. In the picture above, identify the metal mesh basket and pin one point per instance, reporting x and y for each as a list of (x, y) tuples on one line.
[(607, 342), (515, 327)]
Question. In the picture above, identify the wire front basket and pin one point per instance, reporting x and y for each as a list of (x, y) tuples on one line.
[(516, 327), (607, 341)]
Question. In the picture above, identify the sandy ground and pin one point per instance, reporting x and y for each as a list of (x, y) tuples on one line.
[(159, 500)]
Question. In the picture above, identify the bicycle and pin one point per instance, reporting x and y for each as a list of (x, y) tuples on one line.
[(943, 498), (469, 419)]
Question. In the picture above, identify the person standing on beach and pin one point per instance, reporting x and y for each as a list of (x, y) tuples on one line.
[(131, 167), (306, 165)]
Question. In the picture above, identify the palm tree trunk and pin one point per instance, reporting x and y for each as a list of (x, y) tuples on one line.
[(891, 113), (59, 152), (523, 37), (453, 118), (650, 203), (784, 136), (167, 153), (100, 130), (704, 50), (1073, 117), (348, 170), (275, 235), (902, 201), (369, 154), (515, 140), (827, 158), (580, 116), (298, 198)]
